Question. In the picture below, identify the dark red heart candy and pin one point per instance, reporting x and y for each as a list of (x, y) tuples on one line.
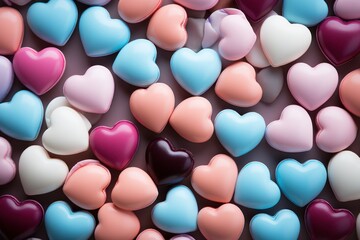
[(323, 222), (167, 165), (256, 9), (19, 220)]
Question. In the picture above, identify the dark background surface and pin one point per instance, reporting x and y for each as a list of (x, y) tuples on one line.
[(78, 63)]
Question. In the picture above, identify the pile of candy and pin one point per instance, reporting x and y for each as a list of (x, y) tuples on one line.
[(241, 47)]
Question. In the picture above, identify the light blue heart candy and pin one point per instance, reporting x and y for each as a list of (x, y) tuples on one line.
[(301, 183), (22, 117), (285, 225), (239, 134), (53, 21), (101, 35), (254, 188), (178, 213), (135, 63), (61, 223), (306, 12), (195, 72)]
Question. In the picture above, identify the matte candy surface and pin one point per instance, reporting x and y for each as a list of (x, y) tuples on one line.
[(347, 9)]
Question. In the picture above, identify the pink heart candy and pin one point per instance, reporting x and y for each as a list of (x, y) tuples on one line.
[(150, 234), (93, 92), (338, 129), (86, 183), (7, 165), (39, 71), (293, 132), (312, 87), (347, 9), (197, 4), (115, 146)]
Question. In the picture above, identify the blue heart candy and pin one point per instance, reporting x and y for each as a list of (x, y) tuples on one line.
[(306, 12), (61, 223), (178, 213), (254, 188), (301, 183), (195, 72), (135, 63), (239, 134), (101, 35), (285, 225), (53, 21), (22, 117)]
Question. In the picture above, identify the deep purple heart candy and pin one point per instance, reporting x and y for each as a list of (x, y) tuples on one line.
[(256, 9)]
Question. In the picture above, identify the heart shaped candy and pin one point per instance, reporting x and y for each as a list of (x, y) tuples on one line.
[(130, 11), (256, 9), (182, 237), (216, 181), (254, 188), (7, 77), (150, 234), (357, 226), (226, 222), (348, 92), (283, 42), (94, 2), (19, 220), (115, 223), (322, 221), (166, 28), (195, 72), (11, 31), (239, 134), (198, 5), (39, 173), (67, 133), (284, 224), (135, 63), (23, 106), (178, 213), (338, 129), (115, 146), (301, 183), (62, 223), (7, 165), (192, 119), (134, 190), (153, 106), (86, 183), (237, 85), (293, 132), (101, 35), (343, 176), (307, 12), (312, 87), (345, 46), (271, 81), (93, 92), (39, 71), (347, 9), (61, 18), (165, 164)]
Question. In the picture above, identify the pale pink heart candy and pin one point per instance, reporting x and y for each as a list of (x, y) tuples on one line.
[(197, 4), (153, 106), (93, 92), (134, 190), (150, 234), (115, 224), (293, 132), (192, 119), (338, 129), (7, 165), (17, 2), (312, 87), (347, 9)]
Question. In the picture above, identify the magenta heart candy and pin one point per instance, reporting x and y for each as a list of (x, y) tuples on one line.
[(256, 9), (39, 71), (339, 40), (115, 146), (19, 220), (324, 222), (7, 77), (7, 165)]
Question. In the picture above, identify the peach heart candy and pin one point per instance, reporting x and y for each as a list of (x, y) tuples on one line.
[(11, 31), (166, 28), (130, 11), (150, 234), (349, 93), (192, 119), (86, 183)]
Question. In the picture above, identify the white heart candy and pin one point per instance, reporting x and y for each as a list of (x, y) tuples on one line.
[(39, 173), (344, 177), (67, 133), (283, 42)]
